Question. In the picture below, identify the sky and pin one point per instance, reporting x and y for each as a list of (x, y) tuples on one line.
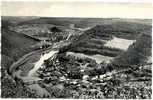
[(77, 9)]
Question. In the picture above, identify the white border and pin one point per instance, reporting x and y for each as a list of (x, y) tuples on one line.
[(117, 1), (108, 1)]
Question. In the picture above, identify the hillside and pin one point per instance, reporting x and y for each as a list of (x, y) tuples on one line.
[(94, 41), (16, 20), (82, 22), (15, 44)]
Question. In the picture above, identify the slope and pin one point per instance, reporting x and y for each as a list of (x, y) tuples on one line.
[(15, 45)]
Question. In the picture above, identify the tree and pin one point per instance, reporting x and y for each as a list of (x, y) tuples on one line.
[(55, 29), (5, 24)]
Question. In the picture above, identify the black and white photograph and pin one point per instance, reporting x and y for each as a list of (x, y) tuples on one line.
[(76, 50)]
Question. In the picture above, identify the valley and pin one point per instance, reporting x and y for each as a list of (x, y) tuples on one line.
[(76, 58)]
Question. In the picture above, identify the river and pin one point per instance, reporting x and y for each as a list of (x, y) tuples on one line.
[(40, 62), (30, 76)]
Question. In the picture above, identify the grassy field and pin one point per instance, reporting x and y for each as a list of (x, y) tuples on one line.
[(137, 53)]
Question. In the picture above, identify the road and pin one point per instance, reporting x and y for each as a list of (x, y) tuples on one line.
[(27, 65)]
